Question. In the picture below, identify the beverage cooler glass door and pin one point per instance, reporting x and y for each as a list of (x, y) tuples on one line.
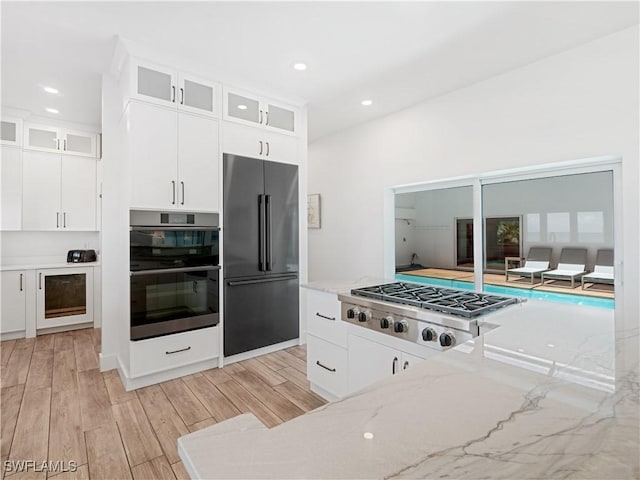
[(166, 301)]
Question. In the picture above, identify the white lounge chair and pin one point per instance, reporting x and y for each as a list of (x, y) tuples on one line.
[(536, 263), (602, 270), (572, 265)]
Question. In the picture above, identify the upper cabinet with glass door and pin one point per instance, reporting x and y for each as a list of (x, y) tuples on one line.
[(252, 110), (47, 138), (11, 131), (170, 88)]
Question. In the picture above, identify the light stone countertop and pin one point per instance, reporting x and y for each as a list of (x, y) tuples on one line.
[(42, 266), (341, 286), (534, 398)]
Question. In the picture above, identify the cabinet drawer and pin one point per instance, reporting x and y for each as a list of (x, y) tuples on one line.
[(327, 366), (323, 317), (172, 351)]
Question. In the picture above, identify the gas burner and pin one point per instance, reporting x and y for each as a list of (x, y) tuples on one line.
[(448, 300)]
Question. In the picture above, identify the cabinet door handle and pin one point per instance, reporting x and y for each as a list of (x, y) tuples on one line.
[(40, 281), (182, 185), (57, 144), (173, 189), (64, 145), (260, 122), (182, 96), (57, 219), (266, 118), (21, 275), (405, 365), (325, 367), (64, 219), (318, 314), (173, 94), (177, 351), (393, 365), (260, 147), (267, 148)]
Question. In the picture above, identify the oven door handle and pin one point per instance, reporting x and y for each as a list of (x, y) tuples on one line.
[(174, 270), (147, 228)]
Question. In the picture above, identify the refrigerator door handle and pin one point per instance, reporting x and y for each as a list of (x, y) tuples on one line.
[(261, 230), (235, 283), (269, 249)]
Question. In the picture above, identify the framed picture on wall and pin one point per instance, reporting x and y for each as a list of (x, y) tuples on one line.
[(313, 211)]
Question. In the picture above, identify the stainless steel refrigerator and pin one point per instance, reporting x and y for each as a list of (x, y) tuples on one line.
[(260, 252)]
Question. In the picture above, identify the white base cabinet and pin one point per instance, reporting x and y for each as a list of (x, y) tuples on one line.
[(326, 368), (14, 302), (64, 297), (369, 362), (159, 354)]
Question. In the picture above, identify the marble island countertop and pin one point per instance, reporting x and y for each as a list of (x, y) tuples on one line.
[(536, 397)]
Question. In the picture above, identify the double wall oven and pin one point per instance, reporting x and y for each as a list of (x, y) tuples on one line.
[(174, 272)]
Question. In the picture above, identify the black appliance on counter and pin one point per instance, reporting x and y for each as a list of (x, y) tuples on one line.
[(260, 253), (81, 256), (174, 269)]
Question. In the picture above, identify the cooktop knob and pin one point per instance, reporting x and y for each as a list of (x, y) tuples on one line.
[(447, 339), (364, 316), (386, 322), (400, 327), (351, 313), (429, 335)]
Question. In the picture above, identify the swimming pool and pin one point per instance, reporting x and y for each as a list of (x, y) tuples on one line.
[(517, 292)]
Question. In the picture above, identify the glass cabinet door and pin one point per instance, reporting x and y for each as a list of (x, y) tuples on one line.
[(197, 95), (64, 297), (79, 143), (41, 137), (155, 83), (11, 132), (281, 118), (244, 108)]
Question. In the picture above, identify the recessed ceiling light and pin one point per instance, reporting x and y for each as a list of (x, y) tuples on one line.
[(52, 110), (551, 345), (368, 435), (300, 66), (51, 90), (366, 103), (242, 107)]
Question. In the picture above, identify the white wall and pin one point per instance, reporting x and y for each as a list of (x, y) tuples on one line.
[(44, 247), (578, 104)]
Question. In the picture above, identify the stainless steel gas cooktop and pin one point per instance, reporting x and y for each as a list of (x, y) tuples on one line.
[(448, 300), (435, 317)]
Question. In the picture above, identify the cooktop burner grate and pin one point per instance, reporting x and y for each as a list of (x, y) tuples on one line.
[(447, 300)]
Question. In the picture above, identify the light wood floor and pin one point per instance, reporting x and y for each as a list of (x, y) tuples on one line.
[(56, 405)]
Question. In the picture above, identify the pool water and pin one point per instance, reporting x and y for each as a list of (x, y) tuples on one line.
[(517, 292)]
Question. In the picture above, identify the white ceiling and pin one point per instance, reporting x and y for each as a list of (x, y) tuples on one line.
[(395, 53)]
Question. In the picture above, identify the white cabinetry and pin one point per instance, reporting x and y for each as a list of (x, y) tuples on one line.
[(172, 351), (58, 192), (173, 159), (252, 110), (167, 87), (13, 302), (47, 138), (64, 296), (11, 188), (370, 361), (256, 143), (11, 131), (326, 345)]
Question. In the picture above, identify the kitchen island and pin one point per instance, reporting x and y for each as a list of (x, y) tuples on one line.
[(535, 397)]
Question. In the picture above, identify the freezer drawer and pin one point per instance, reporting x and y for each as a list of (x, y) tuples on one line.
[(259, 312)]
